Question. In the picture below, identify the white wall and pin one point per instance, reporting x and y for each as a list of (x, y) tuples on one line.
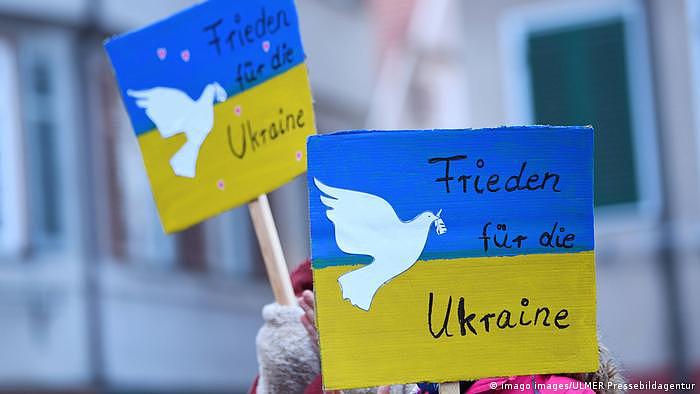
[(65, 11), (170, 331), (42, 329)]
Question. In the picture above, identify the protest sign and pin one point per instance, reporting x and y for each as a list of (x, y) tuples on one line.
[(219, 99), (447, 255)]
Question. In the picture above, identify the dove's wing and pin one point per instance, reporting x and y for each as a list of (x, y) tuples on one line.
[(166, 107), (364, 223)]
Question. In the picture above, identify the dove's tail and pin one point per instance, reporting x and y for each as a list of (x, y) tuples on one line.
[(360, 286)]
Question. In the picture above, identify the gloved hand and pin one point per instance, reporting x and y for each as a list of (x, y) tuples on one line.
[(287, 358)]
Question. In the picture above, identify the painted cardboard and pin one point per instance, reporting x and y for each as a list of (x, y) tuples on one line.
[(445, 255), (219, 99)]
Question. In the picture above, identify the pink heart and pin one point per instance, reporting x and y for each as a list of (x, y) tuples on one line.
[(162, 53), (266, 46), (238, 110), (220, 184), (185, 55), (298, 155)]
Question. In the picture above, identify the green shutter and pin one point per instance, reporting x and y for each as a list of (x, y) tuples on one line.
[(579, 77)]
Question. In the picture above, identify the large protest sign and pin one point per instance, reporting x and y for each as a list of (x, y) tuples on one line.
[(446, 255), (219, 99)]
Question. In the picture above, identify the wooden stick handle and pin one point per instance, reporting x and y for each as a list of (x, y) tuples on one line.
[(449, 388), (269, 240)]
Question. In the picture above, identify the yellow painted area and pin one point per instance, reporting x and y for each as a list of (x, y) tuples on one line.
[(223, 180), (391, 343)]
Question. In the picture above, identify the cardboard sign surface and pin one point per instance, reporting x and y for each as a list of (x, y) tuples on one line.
[(219, 99), (447, 255)]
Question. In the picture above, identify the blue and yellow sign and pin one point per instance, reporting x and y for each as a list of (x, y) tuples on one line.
[(447, 255), (219, 98)]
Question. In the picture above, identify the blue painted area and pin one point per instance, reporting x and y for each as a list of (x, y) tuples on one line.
[(395, 166), (137, 65)]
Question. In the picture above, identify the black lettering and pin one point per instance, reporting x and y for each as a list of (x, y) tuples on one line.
[(547, 237), (516, 178), (561, 315), (555, 177), (248, 31), (291, 122), (447, 178), (444, 323), (568, 241), (493, 180), (485, 237), (300, 119), (215, 37), (485, 320), (519, 240), (524, 302), (537, 315), (504, 244), (253, 136), (463, 179), (532, 179), (260, 23), (465, 321), (230, 40), (282, 18), (230, 142), (507, 323), (476, 185)]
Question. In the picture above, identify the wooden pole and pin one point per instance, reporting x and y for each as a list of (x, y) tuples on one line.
[(269, 240), (449, 388)]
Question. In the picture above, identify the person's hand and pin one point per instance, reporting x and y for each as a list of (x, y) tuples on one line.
[(287, 356), (308, 319)]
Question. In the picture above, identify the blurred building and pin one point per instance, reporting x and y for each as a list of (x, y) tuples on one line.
[(95, 298)]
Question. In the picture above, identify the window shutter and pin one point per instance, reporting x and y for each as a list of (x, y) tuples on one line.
[(579, 76)]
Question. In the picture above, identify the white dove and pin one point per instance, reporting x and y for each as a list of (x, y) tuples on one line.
[(174, 112), (366, 224)]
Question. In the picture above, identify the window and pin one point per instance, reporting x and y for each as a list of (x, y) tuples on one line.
[(52, 141), (587, 64), (12, 219), (693, 10), (43, 147), (579, 76)]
